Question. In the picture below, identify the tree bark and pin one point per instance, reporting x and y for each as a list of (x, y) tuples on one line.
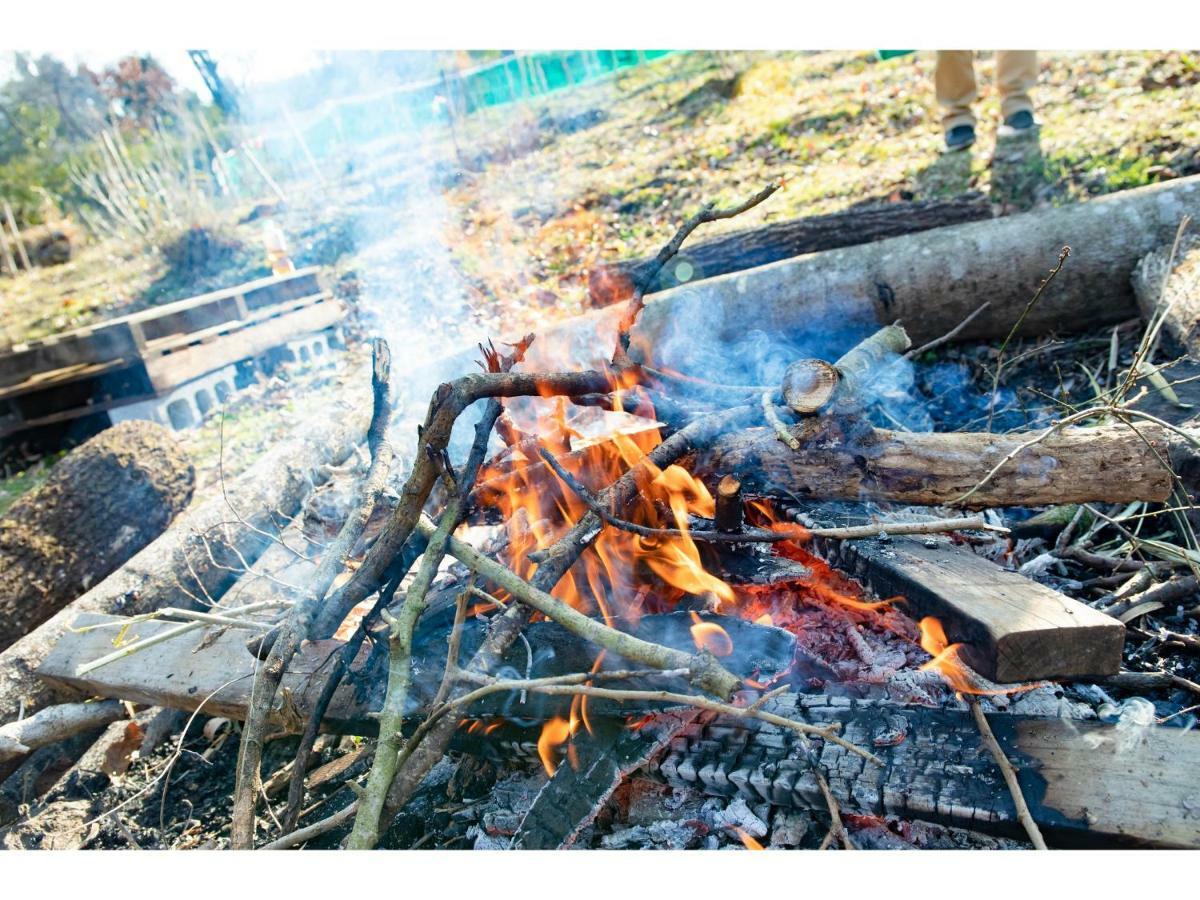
[(752, 247), (1075, 465), (1174, 293), (105, 501), (933, 280)]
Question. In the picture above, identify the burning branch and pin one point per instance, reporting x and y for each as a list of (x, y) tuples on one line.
[(704, 670)]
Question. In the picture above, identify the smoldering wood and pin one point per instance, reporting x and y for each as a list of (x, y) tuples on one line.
[(580, 787), (1014, 629), (1074, 465), (1086, 782), (1169, 286), (177, 563), (102, 503), (751, 247), (933, 280)]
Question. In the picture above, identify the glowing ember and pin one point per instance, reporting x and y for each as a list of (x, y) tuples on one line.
[(554, 734)]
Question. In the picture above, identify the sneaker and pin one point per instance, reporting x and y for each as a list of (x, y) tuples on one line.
[(1017, 124), (960, 137)]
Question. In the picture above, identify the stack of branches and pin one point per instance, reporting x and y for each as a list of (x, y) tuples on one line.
[(808, 434)]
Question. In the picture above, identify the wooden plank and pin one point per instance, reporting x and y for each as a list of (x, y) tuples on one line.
[(1086, 782), (1015, 629), (179, 673), (124, 336), (200, 669)]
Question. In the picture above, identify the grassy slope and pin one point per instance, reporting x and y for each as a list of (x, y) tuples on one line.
[(841, 128)]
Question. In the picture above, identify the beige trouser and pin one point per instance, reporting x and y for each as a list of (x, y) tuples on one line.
[(954, 79)]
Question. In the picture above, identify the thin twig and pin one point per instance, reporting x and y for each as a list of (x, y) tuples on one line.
[(1010, 776), (1062, 258)]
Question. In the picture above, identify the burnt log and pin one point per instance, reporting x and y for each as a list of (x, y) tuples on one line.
[(1074, 465), (1086, 783), (752, 247), (103, 502)]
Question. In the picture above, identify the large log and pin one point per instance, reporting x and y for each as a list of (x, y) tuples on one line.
[(177, 566), (935, 279), (1075, 465), (103, 502), (751, 247)]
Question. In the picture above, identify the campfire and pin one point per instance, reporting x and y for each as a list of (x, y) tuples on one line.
[(634, 579)]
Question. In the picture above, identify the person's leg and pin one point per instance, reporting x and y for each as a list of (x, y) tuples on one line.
[(954, 81), (1016, 73)]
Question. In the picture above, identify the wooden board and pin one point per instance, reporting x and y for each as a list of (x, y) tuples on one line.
[(186, 673), (1016, 629), (126, 336), (182, 672), (172, 369), (1086, 782)]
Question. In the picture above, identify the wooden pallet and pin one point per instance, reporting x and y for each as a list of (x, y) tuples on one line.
[(147, 354)]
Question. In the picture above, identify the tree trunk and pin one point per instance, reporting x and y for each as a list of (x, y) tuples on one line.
[(102, 503), (933, 280), (1109, 464), (752, 247)]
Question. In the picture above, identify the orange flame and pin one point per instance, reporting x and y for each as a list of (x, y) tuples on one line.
[(538, 508), (554, 734), (748, 839), (711, 637), (946, 662)]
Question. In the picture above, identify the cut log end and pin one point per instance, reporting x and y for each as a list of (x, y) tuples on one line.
[(808, 385)]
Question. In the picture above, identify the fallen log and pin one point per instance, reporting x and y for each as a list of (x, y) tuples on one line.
[(1074, 465), (103, 502), (933, 280), (751, 247), (175, 567)]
